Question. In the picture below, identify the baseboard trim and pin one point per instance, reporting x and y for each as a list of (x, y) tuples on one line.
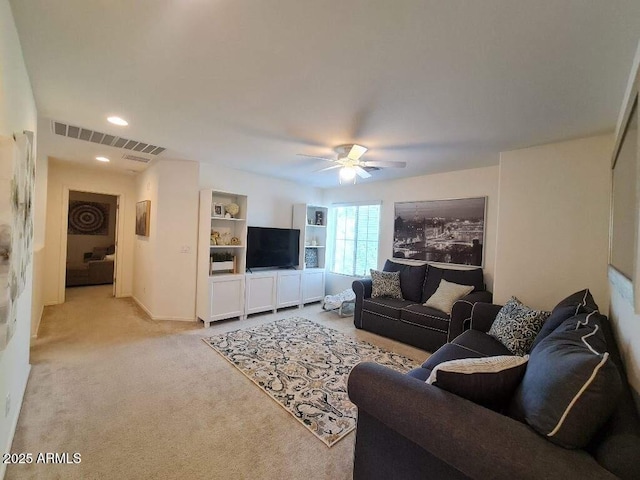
[(161, 317), (14, 423), (35, 334)]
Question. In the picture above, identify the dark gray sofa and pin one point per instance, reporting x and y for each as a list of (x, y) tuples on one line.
[(409, 321), (408, 429)]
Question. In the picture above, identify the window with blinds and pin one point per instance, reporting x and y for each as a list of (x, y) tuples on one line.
[(355, 238)]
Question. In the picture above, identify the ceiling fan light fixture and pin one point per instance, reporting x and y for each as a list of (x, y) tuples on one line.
[(347, 175)]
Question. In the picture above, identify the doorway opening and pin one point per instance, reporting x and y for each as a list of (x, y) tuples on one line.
[(92, 233)]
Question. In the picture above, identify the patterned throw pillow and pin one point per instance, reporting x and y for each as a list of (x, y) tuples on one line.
[(385, 284), (446, 295), (517, 325)]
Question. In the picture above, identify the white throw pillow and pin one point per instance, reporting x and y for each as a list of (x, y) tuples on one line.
[(111, 257), (446, 295)]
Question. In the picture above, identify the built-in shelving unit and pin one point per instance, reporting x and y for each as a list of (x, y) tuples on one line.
[(311, 220), (222, 240)]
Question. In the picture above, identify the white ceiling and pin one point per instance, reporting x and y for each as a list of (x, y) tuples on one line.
[(442, 85)]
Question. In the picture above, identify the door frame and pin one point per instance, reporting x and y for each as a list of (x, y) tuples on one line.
[(62, 257)]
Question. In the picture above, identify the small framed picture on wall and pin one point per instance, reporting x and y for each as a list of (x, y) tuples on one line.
[(217, 210)]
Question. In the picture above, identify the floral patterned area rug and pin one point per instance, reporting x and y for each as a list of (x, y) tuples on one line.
[(304, 367)]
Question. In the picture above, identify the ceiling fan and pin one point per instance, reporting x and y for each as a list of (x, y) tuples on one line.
[(350, 165)]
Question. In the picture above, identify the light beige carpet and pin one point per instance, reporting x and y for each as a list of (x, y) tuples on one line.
[(145, 399)]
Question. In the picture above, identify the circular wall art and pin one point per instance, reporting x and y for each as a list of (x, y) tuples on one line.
[(88, 218)]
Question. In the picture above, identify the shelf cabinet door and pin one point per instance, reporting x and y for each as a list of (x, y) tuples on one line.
[(227, 297), (261, 292), (312, 286), (289, 288)]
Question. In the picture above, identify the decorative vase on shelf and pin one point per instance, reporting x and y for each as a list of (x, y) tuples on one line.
[(232, 209)]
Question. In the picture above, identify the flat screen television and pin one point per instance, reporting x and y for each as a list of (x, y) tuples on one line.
[(272, 247)]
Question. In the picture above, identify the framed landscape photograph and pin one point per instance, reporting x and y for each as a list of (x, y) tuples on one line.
[(143, 216), (441, 231)]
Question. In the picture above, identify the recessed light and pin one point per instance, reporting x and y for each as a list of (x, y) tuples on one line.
[(102, 159), (118, 121)]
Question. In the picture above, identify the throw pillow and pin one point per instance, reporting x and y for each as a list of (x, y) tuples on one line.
[(411, 278), (487, 381), (571, 386), (111, 257), (582, 301), (574, 304), (446, 295), (473, 277), (385, 284), (517, 325)]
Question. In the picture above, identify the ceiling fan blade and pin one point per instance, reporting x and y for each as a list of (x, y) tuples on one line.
[(313, 156), (385, 164), (362, 173), (356, 152), (328, 168)]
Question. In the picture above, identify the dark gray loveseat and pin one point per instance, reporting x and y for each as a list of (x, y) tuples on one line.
[(408, 320), (408, 429)]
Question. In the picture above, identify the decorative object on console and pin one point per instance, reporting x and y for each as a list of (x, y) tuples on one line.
[(516, 326), (143, 217), (443, 231), (88, 218), (232, 209), (272, 356), (385, 284), (217, 210), (446, 295), (222, 263), (311, 257)]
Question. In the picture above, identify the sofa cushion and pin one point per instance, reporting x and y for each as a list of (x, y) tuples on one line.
[(446, 295), (472, 277), (481, 343), (487, 381), (385, 284), (420, 373), (385, 306), (425, 317), (411, 279), (471, 344), (571, 386), (448, 352), (516, 326)]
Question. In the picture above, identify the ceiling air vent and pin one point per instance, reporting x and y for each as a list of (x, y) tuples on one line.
[(136, 158), (100, 138)]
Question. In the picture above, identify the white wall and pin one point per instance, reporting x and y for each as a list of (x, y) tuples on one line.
[(270, 200), (17, 113), (165, 263), (626, 325), (64, 176), (477, 182), (39, 223), (553, 222)]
